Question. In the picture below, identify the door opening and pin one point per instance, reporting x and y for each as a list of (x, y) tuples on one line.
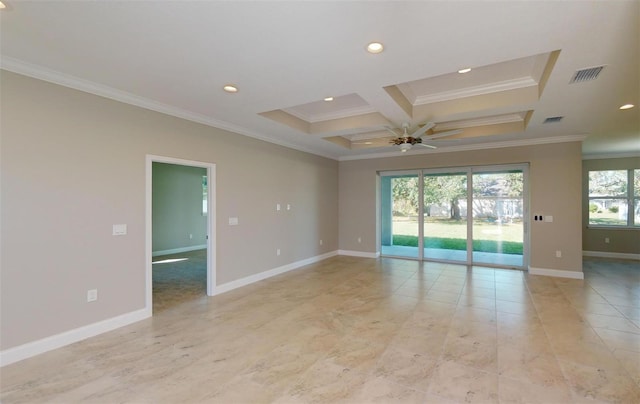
[(180, 230)]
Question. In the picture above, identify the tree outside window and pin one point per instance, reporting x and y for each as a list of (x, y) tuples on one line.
[(614, 197)]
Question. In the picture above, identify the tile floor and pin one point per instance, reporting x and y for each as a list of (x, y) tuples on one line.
[(363, 330)]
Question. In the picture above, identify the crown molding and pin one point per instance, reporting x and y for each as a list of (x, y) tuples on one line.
[(489, 120), (600, 156), (471, 147), (76, 83), (477, 90), (344, 113)]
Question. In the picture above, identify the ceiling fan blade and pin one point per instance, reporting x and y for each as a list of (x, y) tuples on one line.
[(423, 130), (426, 145), (443, 134)]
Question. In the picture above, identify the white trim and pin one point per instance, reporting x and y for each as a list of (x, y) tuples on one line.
[(513, 84), (605, 254), (489, 120), (328, 116), (178, 250), (238, 283), (34, 348), (362, 254), (557, 273), (66, 80), (599, 156), (470, 147)]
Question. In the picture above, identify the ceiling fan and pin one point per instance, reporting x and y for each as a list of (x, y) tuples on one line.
[(406, 141)]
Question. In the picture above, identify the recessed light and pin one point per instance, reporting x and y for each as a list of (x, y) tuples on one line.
[(375, 47), (328, 99), (627, 106), (230, 88), (465, 70)]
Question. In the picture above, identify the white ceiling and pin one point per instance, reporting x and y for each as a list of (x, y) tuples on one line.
[(286, 57)]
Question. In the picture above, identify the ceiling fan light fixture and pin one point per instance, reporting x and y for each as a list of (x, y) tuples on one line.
[(404, 147), (230, 88), (465, 70), (375, 47), (627, 106)]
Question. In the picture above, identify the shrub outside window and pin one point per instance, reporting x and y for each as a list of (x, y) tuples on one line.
[(614, 198)]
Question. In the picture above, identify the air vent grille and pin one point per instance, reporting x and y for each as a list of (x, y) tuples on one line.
[(590, 73), (553, 119)]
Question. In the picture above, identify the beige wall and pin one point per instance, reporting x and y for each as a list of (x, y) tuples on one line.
[(554, 178), (625, 241), (73, 164)]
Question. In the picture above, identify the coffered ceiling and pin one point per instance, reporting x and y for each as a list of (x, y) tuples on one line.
[(286, 58)]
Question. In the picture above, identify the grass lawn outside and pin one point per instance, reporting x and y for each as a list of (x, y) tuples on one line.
[(451, 235)]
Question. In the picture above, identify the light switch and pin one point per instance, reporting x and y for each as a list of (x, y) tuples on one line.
[(548, 219), (277, 206), (119, 229), (288, 207), (233, 221)]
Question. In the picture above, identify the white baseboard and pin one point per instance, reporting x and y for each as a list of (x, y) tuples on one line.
[(557, 273), (12, 355), (604, 254), (179, 250), (238, 283), (362, 254)]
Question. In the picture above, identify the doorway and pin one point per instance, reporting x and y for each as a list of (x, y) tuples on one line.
[(469, 215), (196, 247)]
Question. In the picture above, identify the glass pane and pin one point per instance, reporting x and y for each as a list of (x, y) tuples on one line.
[(636, 183), (608, 212), (498, 207), (445, 217), (399, 215), (608, 183), (636, 215)]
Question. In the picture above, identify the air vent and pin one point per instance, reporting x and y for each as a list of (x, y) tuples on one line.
[(590, 73), (553, 119)]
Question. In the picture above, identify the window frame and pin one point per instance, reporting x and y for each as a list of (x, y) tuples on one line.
[(630, 198)]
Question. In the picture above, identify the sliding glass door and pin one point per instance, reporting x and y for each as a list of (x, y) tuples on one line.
[(445, 216), (498, 218), (400, 211), (472, 215)]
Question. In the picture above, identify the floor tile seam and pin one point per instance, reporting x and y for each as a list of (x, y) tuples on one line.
[(611, 351), (620, 369), (631, 334), (598, 294), (405, 386), (550, 345), (529, 381), (636, 332), (594, 329), (485, 371)]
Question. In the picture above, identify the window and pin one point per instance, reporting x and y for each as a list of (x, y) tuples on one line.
[(614, 198), (205, 193)]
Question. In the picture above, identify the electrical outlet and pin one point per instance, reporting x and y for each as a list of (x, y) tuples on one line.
[(190, 236), (606, 240), (359, 239), (278, 251), (320, 242), (558, 254), (92, 295)]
